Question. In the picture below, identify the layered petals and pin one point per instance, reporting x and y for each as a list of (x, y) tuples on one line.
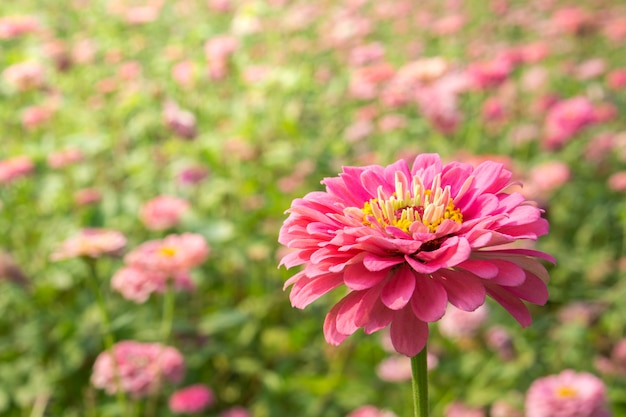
[(406, 241)]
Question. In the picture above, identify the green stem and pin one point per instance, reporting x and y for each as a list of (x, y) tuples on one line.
[(419, 372), (109, 340)]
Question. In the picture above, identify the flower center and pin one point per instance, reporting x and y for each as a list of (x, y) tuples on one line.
[(411, 204), (566, 392), (167, 251)]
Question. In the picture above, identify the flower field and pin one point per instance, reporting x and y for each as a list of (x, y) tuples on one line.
[(160, 159)]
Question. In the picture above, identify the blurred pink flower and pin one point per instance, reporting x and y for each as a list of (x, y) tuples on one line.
[(615, 29), (459, 324), (184, 73), (15, 26), (173, 254), (500, 341), (16, 167), (64, 158), (616, 363), (217, 51), (192, 175), (136, 284), (544, 178), (449, 25), (458, 409), (24, 76), (590, 68), (141, 368), (221, 6), (565, 119), (370, 411), (181, 122), (236, 411), (501, 408), (572, 20), (489, 74), (406, 241), (163, 212), (568, 394), (91, 242), (129, 70), (365, 81), (87, 196), (616, 79), (493, 110), (365, 54), (617, 181), (391, 122), (35, 116), (190, 400), (139, 15), (397, 368)]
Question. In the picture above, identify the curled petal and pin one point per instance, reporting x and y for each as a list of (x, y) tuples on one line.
[(429, 299), (399, 289), (408, 333)]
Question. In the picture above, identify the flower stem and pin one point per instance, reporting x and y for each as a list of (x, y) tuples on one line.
[(109, 340), (419, 372)]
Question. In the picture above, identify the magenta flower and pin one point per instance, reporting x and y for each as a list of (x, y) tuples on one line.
[(190, 400), (406, 241), (568, 394)]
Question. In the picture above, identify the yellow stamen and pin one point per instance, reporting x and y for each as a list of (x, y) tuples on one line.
[(566, 392), (167, 251)]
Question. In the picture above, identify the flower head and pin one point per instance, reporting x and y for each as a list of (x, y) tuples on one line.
[(568, 394), (405, 241), (163, 212), (190, 400), (173, 254), (141, 368), (91, 242)]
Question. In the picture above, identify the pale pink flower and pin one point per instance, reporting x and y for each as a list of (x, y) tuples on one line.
[(163, 212), (25, 76), (502, 408), (221, 6), (397, 368), (16, 26), (173, 254), (565, 119), (546, 177), (129, 70), (91, 242), (617, 181), (16, 167), (572, 20), (500, 341), (217, 51), (181, 122), (139, 15), (616, 79), (489, 74), (365, 82), (87, 196), (84, 51), (568, 394), (192, 399), (370, 411), (406, 241), (136, 284), (140, 368), (391, 122), (236, 411), (459, 324), (591, 68), (192, 175), (64, 158), (616, 363), (365, 54), (184, 73), (493, 110), (615, 29), (449, 25), (458, 409), (35, 116)]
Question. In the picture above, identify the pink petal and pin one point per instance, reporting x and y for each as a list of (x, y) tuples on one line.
[(533, 290), (408, 333), (377, 318), (511, 303), (509, 274), (357, 277), (483, 269), (331, 334), (399, 289), (306, 290), (345, 318), (465, 290), (429, 299), (378, 263)]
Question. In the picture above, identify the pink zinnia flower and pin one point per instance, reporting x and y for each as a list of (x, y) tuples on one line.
[(181, 122), (25, 75), (568, 394), (175, 253), (15, 26), (163, 212), (64, 157), (459, 324), (91, 242), (566, 118), (137, 284), (406, 241), (190, 400), (13, 168), (236, 411), (370, 411), (141, 368)]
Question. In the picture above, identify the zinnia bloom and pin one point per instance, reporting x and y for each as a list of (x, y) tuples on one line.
[(190, 400), (141, 368), (163, 212), (568, 394), (406, 241), (175, 253), (91, 242)]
